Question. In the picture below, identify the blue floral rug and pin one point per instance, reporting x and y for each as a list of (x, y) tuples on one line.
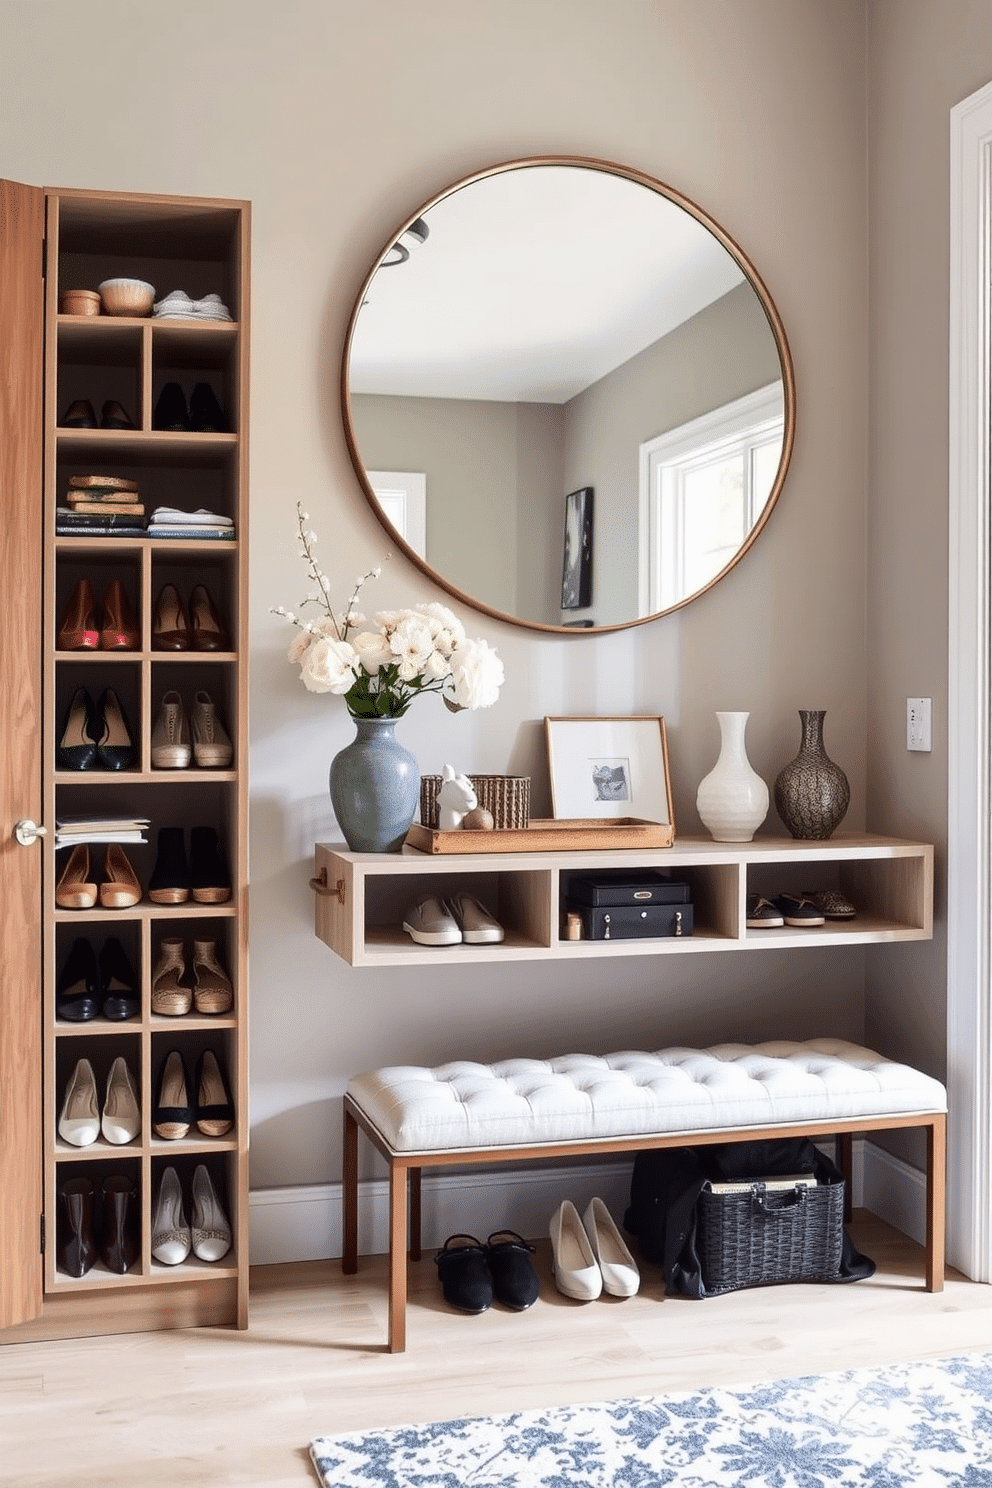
[(927, 1424)]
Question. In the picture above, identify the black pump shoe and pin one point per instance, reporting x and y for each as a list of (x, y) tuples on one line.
[(116, 749), (205, 412), (208, 875), (77, 991), (169, 883), (118, 983), (171, 412), (77, 746)]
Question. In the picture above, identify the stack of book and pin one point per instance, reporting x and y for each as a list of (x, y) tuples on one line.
[(101, 503), (72, 829)]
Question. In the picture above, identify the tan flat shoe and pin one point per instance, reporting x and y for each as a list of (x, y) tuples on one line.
[(211, 745), (120, 888), (76, 889), (212, 990), (169, 996)]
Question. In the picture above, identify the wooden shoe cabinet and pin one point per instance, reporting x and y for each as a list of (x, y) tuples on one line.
[(201, 247)]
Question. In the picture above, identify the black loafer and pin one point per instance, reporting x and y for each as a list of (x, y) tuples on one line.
[(76, 995), (118, 983), (515, 1282), (463, 1274), (205, 412)]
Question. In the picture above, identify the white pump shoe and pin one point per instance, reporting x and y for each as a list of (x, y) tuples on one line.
[(621, 1277)]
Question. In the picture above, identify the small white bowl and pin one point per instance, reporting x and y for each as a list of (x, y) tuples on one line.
[(126, 296)]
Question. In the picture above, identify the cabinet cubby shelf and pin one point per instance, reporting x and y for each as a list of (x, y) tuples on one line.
[(103, 359), (360, 897)]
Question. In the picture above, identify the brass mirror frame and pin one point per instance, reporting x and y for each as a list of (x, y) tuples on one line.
[(751, 275)]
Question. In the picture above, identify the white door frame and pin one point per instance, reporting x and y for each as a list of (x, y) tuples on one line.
[(969, 851)]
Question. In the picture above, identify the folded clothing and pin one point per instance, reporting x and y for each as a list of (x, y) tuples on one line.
[(172, 516)]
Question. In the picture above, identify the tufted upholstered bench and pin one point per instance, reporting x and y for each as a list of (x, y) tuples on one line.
[(474, 1114)]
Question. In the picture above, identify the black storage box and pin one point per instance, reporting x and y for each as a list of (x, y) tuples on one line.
[(633, 887), (633, 922), (762, 1238)]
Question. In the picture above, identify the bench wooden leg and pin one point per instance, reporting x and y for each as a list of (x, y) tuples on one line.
[(397, 1257), (415, 1213), (349, 1254), (845, 1154), (936, 1198)]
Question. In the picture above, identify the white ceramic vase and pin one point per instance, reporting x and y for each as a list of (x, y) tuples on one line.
[(732, 800)]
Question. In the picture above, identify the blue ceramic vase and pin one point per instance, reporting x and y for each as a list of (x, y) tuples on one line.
[(375, 787)]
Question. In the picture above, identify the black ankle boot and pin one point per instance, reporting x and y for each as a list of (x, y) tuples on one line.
[(169, 883), (77, 992), (76, 1246), (209, 878), (118, 983), (120, 1223)]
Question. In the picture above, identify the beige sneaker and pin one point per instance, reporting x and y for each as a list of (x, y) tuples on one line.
[(430, 922), (477, 925), (211, 745), (170, 736)]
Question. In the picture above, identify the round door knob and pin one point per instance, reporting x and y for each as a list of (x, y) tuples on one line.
[(26, 831)]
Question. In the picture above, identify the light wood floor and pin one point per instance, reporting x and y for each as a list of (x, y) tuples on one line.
[(217, 1406)]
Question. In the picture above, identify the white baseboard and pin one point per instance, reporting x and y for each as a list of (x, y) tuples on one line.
[(305, 1224)]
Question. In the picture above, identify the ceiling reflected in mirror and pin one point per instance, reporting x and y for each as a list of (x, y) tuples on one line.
[(549, 326)]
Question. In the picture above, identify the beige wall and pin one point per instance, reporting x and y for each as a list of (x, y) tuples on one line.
[(495, 508), (922, 59), (337, 120)]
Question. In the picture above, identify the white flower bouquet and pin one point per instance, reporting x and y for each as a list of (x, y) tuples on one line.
[(380, 666)]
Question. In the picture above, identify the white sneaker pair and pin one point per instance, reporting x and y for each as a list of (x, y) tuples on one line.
[(589, 1255), (179, 306), (434, 921)]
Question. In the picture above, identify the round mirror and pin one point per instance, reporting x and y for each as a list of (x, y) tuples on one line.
[(568, 395)]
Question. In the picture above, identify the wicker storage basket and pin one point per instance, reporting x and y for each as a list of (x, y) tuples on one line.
[(757, 1238), (506, 796)]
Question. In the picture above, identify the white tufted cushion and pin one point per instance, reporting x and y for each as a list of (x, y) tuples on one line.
[(519, 1102)]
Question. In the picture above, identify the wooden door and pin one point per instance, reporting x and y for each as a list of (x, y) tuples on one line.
[(22, 232)]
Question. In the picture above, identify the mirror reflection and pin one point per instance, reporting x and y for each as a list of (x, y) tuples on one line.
[(568, 395)]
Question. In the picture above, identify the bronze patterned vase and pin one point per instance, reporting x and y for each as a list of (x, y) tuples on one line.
[(812, 794)]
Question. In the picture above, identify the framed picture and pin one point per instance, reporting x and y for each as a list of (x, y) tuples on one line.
[(609, 768), (576, 574)]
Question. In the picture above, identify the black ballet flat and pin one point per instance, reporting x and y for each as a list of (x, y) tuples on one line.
[(464, 1275)]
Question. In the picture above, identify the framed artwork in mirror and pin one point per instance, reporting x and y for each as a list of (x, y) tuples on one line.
[(609, 768), (576, 574)]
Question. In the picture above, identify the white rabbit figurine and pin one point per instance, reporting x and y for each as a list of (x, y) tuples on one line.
[(455, 800)]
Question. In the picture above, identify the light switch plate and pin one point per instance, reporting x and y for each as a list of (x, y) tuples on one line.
[(919, 729)]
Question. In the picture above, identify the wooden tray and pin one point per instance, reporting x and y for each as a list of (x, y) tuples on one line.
[(574, 834)]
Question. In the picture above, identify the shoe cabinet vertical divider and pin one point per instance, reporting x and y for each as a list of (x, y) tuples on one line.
[(202, 247)]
